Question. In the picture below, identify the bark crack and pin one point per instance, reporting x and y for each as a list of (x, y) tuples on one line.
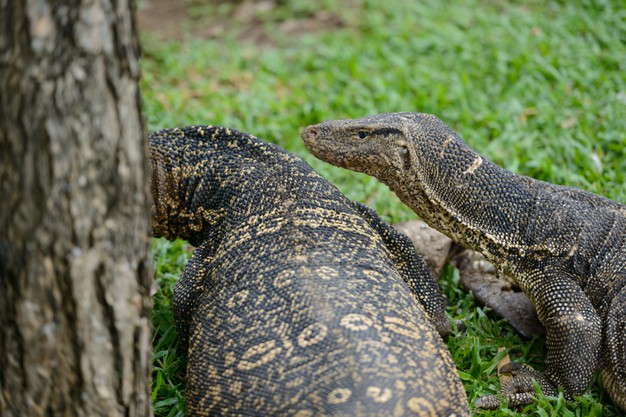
[(110, 322), (75, 348)]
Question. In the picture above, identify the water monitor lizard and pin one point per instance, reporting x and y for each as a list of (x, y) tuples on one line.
[(297, 301), (565, 247)]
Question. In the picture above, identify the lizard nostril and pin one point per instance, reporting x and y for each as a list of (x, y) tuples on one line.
[(312, 131)]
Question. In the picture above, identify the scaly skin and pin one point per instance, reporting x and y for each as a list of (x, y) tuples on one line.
[(566, 248), (297, 301)]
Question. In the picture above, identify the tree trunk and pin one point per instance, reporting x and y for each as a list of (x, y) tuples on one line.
[(74, 212)]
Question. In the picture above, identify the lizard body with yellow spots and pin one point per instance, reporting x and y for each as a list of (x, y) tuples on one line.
[(296, 301)]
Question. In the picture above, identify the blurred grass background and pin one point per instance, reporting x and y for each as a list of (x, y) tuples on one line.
[(538, 87)]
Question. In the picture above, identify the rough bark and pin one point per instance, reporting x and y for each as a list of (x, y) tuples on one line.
[(74, 212)]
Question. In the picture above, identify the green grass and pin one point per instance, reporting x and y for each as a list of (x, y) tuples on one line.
[(538, 87)]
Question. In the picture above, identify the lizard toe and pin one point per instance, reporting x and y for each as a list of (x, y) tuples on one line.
[(519, 389)]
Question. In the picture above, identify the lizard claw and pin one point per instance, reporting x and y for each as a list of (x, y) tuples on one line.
[(487, 402), (512, 368), (519, 389)]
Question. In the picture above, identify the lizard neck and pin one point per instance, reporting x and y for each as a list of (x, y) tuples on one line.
[(467, 197)]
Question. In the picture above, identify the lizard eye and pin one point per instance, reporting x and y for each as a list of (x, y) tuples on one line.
[(362, 134)]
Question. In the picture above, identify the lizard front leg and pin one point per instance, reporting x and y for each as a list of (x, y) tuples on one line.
[(573, 339)]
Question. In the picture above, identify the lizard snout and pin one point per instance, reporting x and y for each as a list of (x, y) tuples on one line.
[(310, 132)]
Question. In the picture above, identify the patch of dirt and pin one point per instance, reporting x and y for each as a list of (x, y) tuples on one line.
[(162, 17), (174, 20)]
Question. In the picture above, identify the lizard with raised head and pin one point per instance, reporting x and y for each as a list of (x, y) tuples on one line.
[(296, 301), (565, 248)]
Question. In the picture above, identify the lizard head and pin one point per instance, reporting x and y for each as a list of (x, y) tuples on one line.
[(372, 145), (389, 146), (403, 150)]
